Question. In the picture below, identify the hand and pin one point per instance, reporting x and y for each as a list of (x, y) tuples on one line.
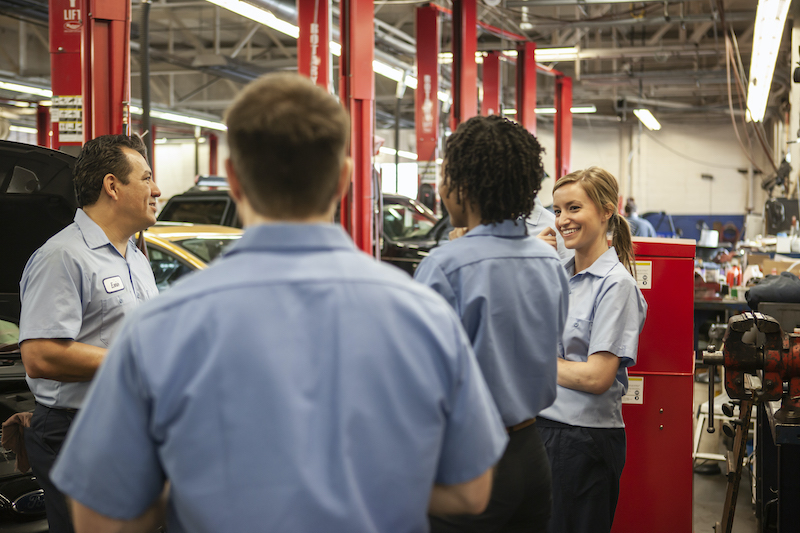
[(455, 233), (549, 236)]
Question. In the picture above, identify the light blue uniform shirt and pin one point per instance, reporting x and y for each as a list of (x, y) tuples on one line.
[(606, 314), (640, 227), (510, 291), (295, 385), (78, 286), (541, 219)]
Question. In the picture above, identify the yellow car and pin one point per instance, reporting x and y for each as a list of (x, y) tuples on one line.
[(175, 249)]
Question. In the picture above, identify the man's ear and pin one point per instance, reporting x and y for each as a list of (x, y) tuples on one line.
[(233, 181), (345, 176), (111, 186)]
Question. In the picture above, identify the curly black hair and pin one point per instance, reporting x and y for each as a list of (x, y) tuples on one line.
[(496, 165)]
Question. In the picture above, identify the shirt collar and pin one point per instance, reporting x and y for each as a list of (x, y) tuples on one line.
[(600, 268), (293, 238), (506, 228), (93, 234)]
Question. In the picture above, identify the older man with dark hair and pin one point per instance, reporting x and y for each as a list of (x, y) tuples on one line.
[(75, 291), (296, 385)]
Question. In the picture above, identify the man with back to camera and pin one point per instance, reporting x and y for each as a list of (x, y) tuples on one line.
[(296, 385), (640, 227), (75, 291)]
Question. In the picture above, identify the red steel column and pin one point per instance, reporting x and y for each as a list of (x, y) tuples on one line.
[(526, 86), (426, 101), (491, 84), (357, 92), (313, 45), (213, 142), (43, 126), (106, 73), (66, 68), (465, 70), (563, 125)]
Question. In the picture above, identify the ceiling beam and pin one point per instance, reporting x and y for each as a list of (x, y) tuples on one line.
[(700, 31), (735, 16), (652, 41)]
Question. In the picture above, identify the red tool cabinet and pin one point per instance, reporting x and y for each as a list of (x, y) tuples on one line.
[(656, 486)]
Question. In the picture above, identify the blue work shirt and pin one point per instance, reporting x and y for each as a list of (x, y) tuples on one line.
[(541, 219), (510, 291), (606, 314), (78, 286), (295, 385), (640, 227)]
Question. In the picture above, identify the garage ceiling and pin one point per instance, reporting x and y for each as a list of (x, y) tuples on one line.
[(669, 56)]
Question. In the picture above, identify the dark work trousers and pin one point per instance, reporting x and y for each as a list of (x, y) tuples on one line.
[(43, 441), (587, 464), (520, 498)]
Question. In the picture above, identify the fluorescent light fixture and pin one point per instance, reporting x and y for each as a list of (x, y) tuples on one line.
[(550, 55), (182, 119), (25, 89), (162, 140), (581, 109), (258, 15), (401, 153), (770, 21), (647, 119), (23, 129)]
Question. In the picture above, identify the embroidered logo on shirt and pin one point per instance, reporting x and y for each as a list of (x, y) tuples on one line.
[(113, 284)]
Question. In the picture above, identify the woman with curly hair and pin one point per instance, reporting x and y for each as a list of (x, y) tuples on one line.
[(510, 291), (583, 430)]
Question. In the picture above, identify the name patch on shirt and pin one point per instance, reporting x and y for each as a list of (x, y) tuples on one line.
[(113, 284)]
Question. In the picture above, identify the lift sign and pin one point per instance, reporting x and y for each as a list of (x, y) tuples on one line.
[(644, 274)]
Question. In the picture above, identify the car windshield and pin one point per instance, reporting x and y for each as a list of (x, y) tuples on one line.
[(403, 222), (208, 248), (196, 212)]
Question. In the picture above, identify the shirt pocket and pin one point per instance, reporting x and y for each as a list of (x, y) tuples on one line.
[(115, 308), (577, 333)]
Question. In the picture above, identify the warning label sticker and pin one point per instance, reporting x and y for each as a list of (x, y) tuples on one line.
[(635, 392), (644, 274), (68, 112)]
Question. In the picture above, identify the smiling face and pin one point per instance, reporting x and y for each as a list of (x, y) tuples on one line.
[(138, 197), (578, 219)]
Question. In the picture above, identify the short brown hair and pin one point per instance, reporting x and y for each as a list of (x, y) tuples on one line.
[(287, 140), (100, 156)]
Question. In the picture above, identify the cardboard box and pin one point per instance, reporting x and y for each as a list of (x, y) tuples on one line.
[(768, 265)]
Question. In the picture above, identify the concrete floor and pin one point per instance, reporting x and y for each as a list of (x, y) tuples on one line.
[(709, 490)]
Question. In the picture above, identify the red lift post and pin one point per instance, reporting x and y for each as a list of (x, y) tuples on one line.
[(526, 85), (563, 125), (426, 101), (213, 147), (313, 44), (465, 70), (43, 126), (491, 84), (357, 92)]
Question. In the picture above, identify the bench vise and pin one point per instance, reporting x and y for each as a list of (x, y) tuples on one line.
[(777, 361)]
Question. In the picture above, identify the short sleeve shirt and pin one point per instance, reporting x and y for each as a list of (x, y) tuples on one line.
[(295, 385), (510, 291), (78, 286), (606, 314), (640, 227)]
